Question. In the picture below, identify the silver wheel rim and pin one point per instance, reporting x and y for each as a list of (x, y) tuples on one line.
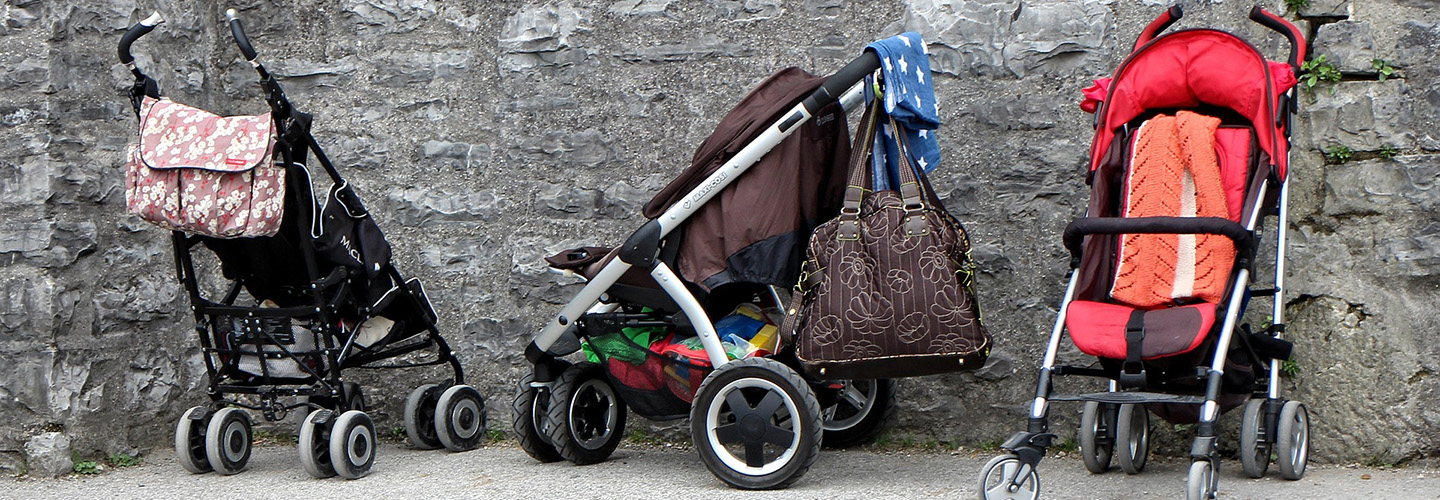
[(465, 418), (1138, 445), (537, 415), (714, 422), (858, 400), (234, 440), (1300, 435), (1028, 489), (358, 445), (588, 396)]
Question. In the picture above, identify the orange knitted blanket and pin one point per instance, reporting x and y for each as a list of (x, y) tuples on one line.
[(1174, 171)]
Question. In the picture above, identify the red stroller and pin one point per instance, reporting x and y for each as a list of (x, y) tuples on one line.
[(1189, 158)]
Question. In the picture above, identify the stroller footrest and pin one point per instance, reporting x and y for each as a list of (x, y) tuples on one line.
[(1130, 398)]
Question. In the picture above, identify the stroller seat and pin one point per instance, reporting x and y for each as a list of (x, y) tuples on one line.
[(1164, 289)]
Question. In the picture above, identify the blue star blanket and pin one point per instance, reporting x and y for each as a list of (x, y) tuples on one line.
[(910, 99)]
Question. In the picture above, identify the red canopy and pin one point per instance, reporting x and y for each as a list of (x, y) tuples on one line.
[(1189, 68)]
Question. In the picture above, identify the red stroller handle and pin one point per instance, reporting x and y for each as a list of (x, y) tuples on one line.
[(1279, 24), (1166, 19)]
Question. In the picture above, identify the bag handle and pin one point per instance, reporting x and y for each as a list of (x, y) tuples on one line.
[(849, 221), (911, 191)]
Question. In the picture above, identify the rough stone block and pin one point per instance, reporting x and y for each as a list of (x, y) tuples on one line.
[(640, 8), (1363, 116), (709, 46), (425, 207), (389, 16), (1348, 45), (1418, 44), (571, 201), (1005, 39), (456, 155), (48, 455)]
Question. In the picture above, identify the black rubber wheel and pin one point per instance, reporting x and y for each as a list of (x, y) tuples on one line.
[(460, 418), (1292, 440), (228, 440), (1132, 437), (586, 418), (1097, 436), (353, 444), (314, 444), (420, 417), (862, 409), (756, 424), (1254, 447), (527, 419), (1200, 484), (190, 440), (998, 480)]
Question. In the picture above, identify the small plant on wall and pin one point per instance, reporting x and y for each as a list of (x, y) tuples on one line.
[(1319, 70), (1296, 5), (1383, 69)]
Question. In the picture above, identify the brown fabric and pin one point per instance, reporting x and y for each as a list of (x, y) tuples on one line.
[(896, 299), (755, 230)]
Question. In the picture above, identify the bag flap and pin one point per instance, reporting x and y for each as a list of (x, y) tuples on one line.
[(174, 135)]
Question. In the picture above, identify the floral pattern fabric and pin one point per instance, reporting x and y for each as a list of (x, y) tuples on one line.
[(201, 173)]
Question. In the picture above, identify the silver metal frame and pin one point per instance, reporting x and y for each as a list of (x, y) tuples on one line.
[(672, 218)]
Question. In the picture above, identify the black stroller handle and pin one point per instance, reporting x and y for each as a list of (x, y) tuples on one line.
[(140, 29), (1160, 24), (841, 81), (1076, 232), (238, 32), (1280, 25)]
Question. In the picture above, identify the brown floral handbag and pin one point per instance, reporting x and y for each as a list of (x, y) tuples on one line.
[(888, 286), (201, 173)]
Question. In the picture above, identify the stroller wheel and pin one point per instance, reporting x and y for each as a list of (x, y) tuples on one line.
[(1254, 449), (756, 424), (420, 417), (861, 409), (1292, 440), (1201, 483), (228, 440), (528, 421), (586, 418), (352, 444), (314, 443), (190, 440), (1097, 436), (1132, 437), (460, 418), (1002, 479)]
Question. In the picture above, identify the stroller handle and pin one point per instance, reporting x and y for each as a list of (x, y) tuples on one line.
[(1280, 25), (1076, 232), (841, 81), (238, 32), (140, 29), (1160, 24)]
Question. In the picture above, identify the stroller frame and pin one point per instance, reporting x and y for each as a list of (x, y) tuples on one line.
[(1264, 422), (645, 249), (330, 400)]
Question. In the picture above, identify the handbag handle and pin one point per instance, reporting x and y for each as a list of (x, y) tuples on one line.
[(910, 187)]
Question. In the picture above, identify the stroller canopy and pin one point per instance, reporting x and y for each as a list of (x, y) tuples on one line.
[(1192, 68)]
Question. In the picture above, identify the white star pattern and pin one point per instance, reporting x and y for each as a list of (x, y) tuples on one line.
[(917, 102), (905, 39), (921, 76), (924, 133), (888, 68), (923, 163), (904, 67)]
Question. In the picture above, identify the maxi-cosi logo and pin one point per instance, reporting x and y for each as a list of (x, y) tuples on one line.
[(706, 189)]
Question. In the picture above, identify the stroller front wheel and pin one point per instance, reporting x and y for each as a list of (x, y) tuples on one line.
[(1292, 440), (460, 418), (1132, 437), (756, 424), (1254, 449), (314, 444), (1097, 436), (527, 418), (1200, 485), (190, 440), (586, 418), (228, 440), (1006, 478), (420, 417), (352, 444)]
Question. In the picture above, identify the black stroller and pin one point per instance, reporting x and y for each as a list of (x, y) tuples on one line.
[(323, 297), (1189, 159), (649, 309)]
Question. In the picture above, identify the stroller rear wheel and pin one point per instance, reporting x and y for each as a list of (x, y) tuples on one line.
[(756, 424), (1132, 437), (861, 409), (1097, 436), (420, 417), (1292, 440), (190, 440), (460, 418), (314, 443), (1002, 479), (528, 421), (1254, 448), (352, 444), (586, 418), (228, 440)]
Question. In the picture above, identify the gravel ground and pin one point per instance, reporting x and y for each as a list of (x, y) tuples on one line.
[(642, 471)]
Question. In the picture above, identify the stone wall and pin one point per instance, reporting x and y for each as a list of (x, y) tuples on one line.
[(485, 135)]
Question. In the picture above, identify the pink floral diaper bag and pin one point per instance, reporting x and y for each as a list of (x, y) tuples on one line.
[(201, 173)]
